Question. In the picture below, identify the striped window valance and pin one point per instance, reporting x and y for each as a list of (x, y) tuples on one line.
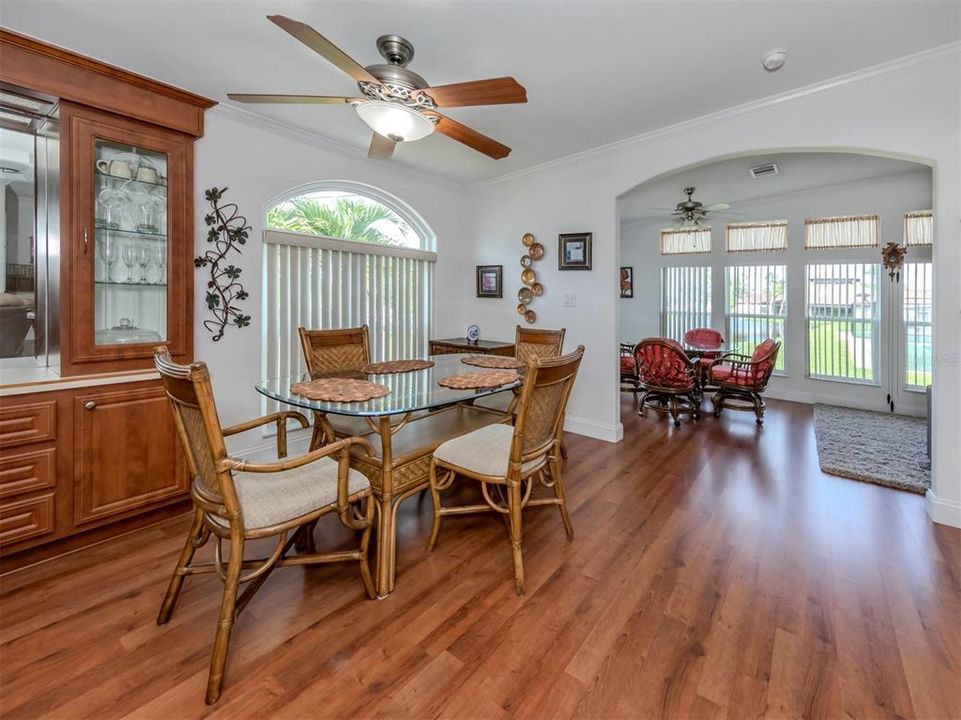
[(919, 228), (756, 236), (847, 231), (685, 241), (324, 283)]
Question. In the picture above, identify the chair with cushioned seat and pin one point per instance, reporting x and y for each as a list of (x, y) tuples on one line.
[(740, 379), (667, 376), (506, 459), (240, 501)]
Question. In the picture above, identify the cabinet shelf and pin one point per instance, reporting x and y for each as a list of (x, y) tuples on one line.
[(131, 233), (114, 181), (112, 283)]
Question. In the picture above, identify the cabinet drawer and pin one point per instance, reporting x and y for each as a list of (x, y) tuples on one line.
[(27, 471), (23, 424), (25, 519), (442, 349)]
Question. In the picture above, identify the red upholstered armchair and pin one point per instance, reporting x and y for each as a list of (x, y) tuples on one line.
[(704, 338), (629, 380), (741, 379), (666, 375)]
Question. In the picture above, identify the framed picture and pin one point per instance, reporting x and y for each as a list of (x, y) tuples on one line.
[(627, 282), (489, 281), (574, 251)]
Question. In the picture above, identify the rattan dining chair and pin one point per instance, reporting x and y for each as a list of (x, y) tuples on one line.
[(344, 351), (239, 501), (544, 344), (506, 459)]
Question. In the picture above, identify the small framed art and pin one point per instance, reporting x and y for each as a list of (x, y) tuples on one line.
[(627, 282), (490, 281), (574, 251)]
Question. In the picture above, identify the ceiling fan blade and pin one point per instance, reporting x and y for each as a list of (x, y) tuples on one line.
[(290, 99), (716, 206), (381, 147), (493, 91), (471, 138), (323, 47)]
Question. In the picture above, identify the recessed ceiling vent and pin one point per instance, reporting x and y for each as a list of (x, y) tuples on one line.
[(764, 170)]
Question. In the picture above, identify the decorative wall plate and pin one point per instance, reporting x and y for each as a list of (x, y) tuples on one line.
[(521, 308), (528, 277), (526, 261), (525, 295), (528, 239), (536, 251), (531, 317), (537, 289)]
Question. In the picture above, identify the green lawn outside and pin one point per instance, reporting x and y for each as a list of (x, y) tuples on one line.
[(832, 354)]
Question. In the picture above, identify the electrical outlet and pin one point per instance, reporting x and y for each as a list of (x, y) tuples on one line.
[(570, 300)]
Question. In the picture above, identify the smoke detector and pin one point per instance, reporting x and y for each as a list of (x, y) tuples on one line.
[(759, 171), (774, 59)]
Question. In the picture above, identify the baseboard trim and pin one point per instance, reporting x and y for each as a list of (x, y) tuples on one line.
[(943, 512), (825, 398), (608, 432)]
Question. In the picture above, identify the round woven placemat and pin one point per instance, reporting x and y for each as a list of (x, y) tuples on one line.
[(339, 390), (493, 361), (479, 379), (396, 366)]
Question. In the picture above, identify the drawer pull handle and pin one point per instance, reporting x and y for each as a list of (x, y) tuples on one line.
[(90, 405)]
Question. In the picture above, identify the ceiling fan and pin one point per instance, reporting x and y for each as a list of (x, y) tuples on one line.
[(397, 103), (691, 211)]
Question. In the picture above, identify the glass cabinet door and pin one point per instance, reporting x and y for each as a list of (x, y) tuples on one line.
[(131, 248), (129, 243)]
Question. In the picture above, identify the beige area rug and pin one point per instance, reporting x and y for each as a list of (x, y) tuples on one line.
[(874, 447)]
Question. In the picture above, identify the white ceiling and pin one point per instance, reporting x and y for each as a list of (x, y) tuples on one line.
[(730, 181), (596, 72)]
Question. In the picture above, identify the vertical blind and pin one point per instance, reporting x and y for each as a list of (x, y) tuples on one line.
[(917, 310), (685, 241), (919, 228), (756, 236), (322, 283), (685, 300), (756, 307), (843, 321), (849, 231)]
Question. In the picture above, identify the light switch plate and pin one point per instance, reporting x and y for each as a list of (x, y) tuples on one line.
[(570, 300)]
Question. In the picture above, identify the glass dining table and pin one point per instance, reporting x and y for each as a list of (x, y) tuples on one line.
[(404, 428)]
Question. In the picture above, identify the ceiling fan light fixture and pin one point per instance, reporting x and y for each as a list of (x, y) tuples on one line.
[(395, 121)]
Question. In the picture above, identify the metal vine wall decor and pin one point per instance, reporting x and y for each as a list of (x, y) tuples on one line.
[(227, 230)]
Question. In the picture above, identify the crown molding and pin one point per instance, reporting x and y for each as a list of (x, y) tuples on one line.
[(797, 194), (949, 52), (309, 137)]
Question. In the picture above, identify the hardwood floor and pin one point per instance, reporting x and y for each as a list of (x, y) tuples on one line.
[(714, 573)]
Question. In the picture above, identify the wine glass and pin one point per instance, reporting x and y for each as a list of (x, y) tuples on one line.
[(110, 252), (128, 253), (160, 261), (144, 256)]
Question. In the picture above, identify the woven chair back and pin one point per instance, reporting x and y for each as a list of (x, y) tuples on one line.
[(195, 415), (543, 400), (332, 351), (543, 344)]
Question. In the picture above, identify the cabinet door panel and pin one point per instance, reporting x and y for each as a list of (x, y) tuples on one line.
[(127, 454)]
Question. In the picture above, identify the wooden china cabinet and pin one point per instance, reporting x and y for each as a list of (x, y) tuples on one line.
[(88, 449)]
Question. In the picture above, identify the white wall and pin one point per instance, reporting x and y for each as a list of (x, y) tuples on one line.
[(908, 109), (257, 164), (890, 197)]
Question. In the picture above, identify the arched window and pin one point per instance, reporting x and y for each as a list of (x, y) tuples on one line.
[(341, 254), (348, 210)]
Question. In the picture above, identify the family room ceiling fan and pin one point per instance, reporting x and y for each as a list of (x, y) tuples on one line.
[(397, 103), (691, 211)]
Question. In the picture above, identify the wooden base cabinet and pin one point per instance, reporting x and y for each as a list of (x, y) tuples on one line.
[(78, 465)]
